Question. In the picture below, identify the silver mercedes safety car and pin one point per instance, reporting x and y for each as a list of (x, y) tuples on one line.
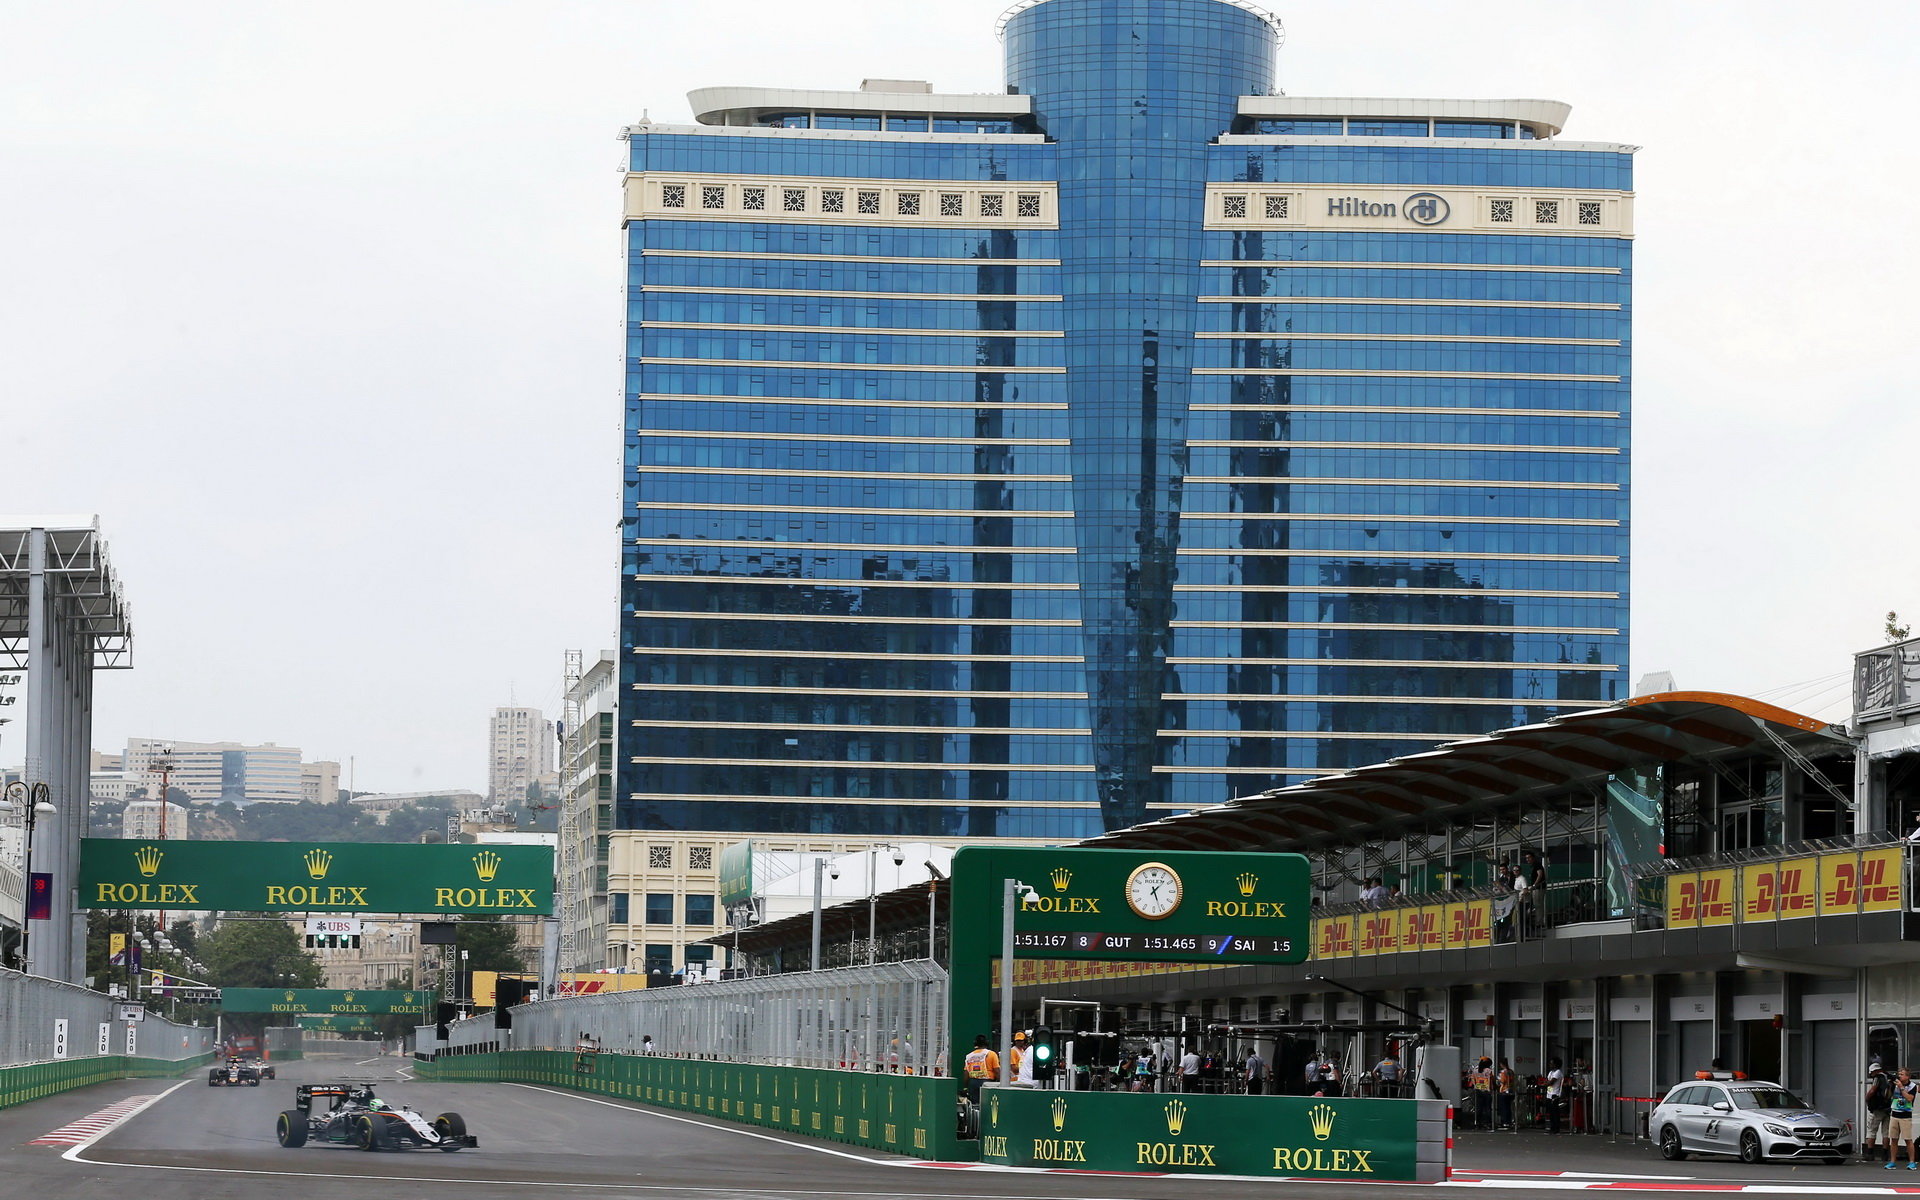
[(1748, 1118)]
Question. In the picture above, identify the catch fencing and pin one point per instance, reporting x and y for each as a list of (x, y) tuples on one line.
[(44, 1020), (882, 1017)]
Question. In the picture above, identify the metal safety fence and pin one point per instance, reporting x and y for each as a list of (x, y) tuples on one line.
[(44, 1020), (882, 1017)]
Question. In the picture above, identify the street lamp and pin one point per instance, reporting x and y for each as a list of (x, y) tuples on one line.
[(32, 801), (873, 888)]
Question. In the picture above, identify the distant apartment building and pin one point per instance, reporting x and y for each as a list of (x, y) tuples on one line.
[(586, 812), (142, 820), (320, 782), (212, 772), (519, 754)]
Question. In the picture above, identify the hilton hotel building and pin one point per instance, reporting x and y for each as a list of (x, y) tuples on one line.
[(1032, 463)]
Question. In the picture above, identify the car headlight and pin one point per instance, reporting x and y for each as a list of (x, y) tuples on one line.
[(1778, 1130)]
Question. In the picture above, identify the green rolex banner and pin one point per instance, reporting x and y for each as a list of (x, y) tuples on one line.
[(316, 877), (325, 1001), (333, 1024)]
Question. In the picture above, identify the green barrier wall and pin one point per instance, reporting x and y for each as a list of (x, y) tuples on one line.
[(1279, 1136), (905, 1114), (34, 1080)]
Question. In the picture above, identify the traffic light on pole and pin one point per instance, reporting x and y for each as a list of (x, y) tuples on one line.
[(1042, 1051)]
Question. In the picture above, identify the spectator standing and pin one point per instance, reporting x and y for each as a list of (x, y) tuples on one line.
[(1190, 1072), (1900, 1120), (1480, 1086), (1874, 1142), (1556, 1094), (1503, 1083), (1256, 1072), (1143, 1070), (1374, 892)]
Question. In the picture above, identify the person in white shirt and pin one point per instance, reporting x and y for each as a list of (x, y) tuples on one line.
[(1190, 1072), (1556, 1094)]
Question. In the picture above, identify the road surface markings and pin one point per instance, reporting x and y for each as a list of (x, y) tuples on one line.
[(93, 1125)]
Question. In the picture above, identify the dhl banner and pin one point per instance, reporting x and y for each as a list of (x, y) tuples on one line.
[(1864, 882), (1796, 884), (1379, 932), (1423, 928), (1716, 897), (1759, 899), (1333, 937), (1697, 899)]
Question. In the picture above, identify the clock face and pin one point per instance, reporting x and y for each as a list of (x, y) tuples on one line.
[(1153, 890)]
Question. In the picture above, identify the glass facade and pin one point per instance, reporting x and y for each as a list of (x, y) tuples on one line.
[(995, 483)]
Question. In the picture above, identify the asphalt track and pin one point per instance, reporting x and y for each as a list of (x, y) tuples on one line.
[(193, 1142)]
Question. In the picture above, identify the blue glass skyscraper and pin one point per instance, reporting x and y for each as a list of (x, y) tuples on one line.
[(1038, 463)]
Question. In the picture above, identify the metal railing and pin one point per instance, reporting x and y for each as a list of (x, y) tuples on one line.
[(42, 1020), (883, 1017)]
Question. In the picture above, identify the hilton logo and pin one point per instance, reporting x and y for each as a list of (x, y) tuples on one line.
[(1422, 208)]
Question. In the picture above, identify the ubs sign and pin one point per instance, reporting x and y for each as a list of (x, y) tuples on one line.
[(1421, 208)]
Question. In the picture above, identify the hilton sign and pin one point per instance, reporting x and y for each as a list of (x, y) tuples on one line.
[(1422, 208)]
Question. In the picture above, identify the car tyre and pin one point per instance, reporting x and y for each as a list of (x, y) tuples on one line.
[(452, 1128), (366, 1132), (292, 1130), (1670, 1148), (1750, 1151), (254, 1082)]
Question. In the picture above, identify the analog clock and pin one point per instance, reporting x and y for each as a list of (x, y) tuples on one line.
[(1153, 890)]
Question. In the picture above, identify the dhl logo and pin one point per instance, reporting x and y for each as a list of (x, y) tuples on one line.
[(1707, 898), (1336, 937), (1378, 935), (1423, 930)]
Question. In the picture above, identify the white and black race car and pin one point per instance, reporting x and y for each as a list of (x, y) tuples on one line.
[(354, 1116)]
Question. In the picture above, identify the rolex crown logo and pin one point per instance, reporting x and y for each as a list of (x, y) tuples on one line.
[(486, 864), (1321, 1115), (347, 998), (993, 1110), (289, 997), (147, 858), (318, 861), (1176, 1117), (1059, 1113), (1247, 881), (1061, 878)]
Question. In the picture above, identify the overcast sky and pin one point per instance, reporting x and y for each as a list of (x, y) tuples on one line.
[(318, 306)]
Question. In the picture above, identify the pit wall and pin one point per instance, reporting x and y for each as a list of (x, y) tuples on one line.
[(903, 1114), (33, 1081), (1282, 1137)]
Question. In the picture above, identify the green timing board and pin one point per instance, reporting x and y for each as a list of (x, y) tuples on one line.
[(1118, 905), (325, 1001), (309, 877)]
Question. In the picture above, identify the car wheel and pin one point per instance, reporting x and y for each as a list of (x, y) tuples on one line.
[(292, 1130), (366, 1133), (253, 1083), (1670, 1144), (1750, 1151), (451, 1128)]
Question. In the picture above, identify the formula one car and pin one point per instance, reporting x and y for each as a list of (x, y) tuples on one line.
[(261, 1065), (355, 1117), (235, 1072)]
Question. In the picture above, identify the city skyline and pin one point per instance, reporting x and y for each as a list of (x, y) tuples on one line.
[(393, 182)]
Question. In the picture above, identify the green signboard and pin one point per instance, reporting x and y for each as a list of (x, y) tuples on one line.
[(316, 877), (323, 1001), (1276, 1136), (736, 874), (333, 1024), (1133, 905)]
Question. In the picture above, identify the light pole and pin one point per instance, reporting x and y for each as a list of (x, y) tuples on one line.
[(933, 889), (820, 869), (33, 802), (1025, 893), (873, 889)]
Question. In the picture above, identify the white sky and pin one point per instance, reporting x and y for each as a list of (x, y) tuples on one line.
[(318, 305)]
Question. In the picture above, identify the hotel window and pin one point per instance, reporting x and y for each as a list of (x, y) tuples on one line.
[(1233, 207), (833, 200), (659, 908), (1276, 208), (673, 195), (713, 197), (1029, 204), (1546, 212), (1589, 212), (793, 200), (699, 910), (993, 206), (952, 204), (1503, 212), (753, 199), (907, 204), (869, 203)]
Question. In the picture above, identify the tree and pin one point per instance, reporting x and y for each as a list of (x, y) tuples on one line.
[(490, 945), (1896, 632), (259, 953)]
